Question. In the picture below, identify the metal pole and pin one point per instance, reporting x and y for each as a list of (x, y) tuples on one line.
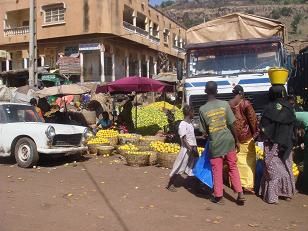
[(32, 45)]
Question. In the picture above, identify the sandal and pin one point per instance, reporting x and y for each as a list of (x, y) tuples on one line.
[(217, 200), (249, 191), (240, 200)]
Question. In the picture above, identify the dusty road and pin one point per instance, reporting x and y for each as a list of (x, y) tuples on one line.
[(99, 194)]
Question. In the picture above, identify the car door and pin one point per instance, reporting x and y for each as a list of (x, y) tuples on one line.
[(2, 123)]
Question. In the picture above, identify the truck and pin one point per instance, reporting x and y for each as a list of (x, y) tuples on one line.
[(234, 49)]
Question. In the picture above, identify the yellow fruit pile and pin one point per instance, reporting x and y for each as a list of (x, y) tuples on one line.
[(161, 147), (295, 169), (98, 140), (108, 133), (128, 147), (138, 153), (152, 118)]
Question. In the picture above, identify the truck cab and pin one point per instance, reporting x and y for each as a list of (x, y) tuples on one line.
[(229, 63)]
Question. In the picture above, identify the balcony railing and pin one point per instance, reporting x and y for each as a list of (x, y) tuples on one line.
[(129, 26), (16, 31), (142, 31), (154, 39)]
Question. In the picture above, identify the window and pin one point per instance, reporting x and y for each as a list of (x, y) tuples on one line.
[(54, 14), (166, 36), (175, 40)]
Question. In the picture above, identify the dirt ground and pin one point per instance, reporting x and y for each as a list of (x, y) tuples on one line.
[(97, 194)]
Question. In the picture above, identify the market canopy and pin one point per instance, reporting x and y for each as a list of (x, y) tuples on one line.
[(135, 84), (71, 89), (170, 77), (233, 27)]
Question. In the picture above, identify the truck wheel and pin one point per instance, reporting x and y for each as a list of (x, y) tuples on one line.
[(26, 154)]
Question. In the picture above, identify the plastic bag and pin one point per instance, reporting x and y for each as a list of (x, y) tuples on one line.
[(202, 169), (259, 174)]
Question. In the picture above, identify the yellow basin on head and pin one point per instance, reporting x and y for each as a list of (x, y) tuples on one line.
[(278, 75)]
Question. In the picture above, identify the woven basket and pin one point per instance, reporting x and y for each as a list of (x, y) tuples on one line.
[(149, 139), (137, 160), (113, 141), (105, 150), (153, 158), (92, 148), (132, 140), (144, 148), (166, 160)]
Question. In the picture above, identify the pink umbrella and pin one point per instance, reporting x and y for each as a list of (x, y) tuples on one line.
[(135, 84)]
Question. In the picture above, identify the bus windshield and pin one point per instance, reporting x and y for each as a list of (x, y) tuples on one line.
[(233, 59)]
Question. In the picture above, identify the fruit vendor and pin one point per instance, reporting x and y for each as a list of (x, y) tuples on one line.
[(105, 122), (126, 113), (246, 129), (303, 180), (188, 154), (217, 120)]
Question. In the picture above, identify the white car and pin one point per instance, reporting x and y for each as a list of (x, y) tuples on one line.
[(24, 135)]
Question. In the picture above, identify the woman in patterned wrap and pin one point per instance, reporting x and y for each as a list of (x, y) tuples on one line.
[(277, 128)]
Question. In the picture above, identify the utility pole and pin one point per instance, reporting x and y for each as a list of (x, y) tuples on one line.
[(33, 45)]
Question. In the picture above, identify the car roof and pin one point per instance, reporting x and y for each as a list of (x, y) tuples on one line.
[(9, 103)]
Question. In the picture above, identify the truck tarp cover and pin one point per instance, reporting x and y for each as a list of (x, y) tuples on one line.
[(233, 27)]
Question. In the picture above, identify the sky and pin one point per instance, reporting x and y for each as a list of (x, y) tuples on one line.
[(154, 2)]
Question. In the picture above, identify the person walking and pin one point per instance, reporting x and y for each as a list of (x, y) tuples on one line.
[(217, 120), (188, 154), (277, 126), (246, 130)]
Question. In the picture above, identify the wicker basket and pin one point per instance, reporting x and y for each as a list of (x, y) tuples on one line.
[(144, 148), (113, 141), (137, 160), (148, 139), (153, 158), (92, 148), (131, 140), (166, 159), (105, 150)]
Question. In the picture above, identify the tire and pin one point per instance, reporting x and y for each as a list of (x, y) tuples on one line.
[(26, 154)]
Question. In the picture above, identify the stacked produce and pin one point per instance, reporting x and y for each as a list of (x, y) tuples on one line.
[(128, 148), (138, 153), (98, 140), (152, 118), (161, 147), (108, 133)]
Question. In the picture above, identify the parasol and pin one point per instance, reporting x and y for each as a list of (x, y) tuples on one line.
[(135, 84)]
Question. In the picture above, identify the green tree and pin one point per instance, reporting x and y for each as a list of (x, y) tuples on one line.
[(166, 3)]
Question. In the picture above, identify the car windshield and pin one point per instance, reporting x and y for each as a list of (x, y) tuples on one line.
[(234, 59), (20, 113)]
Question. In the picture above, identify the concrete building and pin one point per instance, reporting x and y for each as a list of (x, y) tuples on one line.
[(113, 38)]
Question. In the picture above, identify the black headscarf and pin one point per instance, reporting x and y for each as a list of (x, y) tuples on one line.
[(278, 120)]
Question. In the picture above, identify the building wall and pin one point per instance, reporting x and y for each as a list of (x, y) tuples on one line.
[(86, 22)]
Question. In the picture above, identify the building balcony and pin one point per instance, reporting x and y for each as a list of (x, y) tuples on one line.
[(154, 39), (16, 31), (135, 29)]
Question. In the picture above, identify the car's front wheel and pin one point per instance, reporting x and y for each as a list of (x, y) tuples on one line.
[(26, 154)]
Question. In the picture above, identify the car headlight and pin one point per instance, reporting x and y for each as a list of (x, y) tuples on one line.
[(50, 132), (87, 133)]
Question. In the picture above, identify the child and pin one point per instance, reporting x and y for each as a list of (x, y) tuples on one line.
[(105, 122), (188, 154)]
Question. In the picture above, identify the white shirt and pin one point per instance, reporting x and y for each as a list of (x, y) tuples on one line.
[(187, 129)]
